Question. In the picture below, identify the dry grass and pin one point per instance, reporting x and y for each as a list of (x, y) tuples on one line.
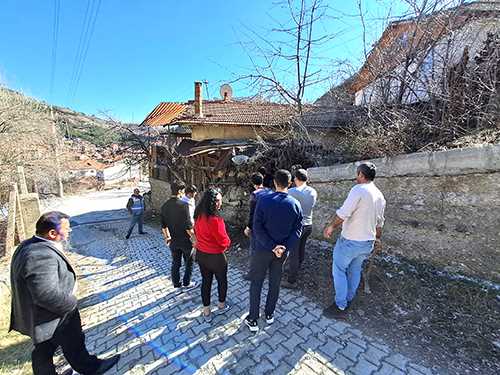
[(15, 349)]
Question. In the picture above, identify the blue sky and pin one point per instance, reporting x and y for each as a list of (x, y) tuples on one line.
[(147, 51)]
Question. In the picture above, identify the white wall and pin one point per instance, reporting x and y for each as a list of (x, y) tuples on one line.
[(428, 75), (120, 172), (483, 159)]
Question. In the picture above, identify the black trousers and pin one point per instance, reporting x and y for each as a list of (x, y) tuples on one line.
[(70, 337), (298, 254), (212, 265), (177, 254), (262, 261)]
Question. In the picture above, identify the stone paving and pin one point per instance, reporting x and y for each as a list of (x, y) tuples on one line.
[(129, 306)]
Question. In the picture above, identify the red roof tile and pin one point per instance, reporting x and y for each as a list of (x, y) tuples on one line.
[(249, 113), (238, 113), (163, 114)]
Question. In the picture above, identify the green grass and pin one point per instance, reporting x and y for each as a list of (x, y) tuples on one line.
[(15, 349)]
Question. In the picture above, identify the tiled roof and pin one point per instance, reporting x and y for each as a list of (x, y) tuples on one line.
[(237, 112), (85, 164), (163, 114), (249, 113)]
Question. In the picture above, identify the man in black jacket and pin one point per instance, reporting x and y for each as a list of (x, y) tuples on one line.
[(44, 305), (177, 229)]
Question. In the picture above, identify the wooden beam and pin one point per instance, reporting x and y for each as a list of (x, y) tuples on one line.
[(20, 229), (10, 239), (21, 178)]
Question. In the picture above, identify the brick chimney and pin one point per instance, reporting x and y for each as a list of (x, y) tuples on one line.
[(198, 105)]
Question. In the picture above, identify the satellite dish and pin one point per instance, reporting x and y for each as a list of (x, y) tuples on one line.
[(226, 92), (240, 159)]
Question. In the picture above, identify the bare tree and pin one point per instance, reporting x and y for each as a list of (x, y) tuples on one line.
[(431, 79), (285, 62), (25, 140), (136, 142)]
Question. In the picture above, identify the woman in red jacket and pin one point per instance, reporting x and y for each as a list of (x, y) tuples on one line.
[(211, 243)]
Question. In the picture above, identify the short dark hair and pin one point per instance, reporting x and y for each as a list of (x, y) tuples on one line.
[(301, 174), (368, 169), (262, 171), (177, 186), (282, 178), (257, 179), (191, 189), (48, 221)]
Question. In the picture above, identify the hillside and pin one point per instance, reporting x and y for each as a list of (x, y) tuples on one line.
[(26, 138)]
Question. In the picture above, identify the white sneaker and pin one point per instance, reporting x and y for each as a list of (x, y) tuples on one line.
[(190, 286), (270, 319)]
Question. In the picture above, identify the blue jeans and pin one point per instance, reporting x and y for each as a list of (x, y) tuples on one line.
[(348, 257), (135, 219)]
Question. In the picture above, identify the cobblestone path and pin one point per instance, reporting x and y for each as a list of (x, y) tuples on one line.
[(129, 306)]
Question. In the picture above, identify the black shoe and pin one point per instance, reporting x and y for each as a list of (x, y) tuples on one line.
[(333, 312), (270, 319), (106, 364), (143, 232), (252, 324), (287, 284), (127, 236)]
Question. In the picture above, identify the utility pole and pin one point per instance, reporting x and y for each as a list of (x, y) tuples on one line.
[(60, 190)]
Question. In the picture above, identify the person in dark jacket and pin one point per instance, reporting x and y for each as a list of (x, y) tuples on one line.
[(136, 208), (277, 226), (44, 305), (257, 180), (267, 178), (177, 229)]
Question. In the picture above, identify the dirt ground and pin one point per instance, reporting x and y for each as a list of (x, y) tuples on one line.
[(454, 325)]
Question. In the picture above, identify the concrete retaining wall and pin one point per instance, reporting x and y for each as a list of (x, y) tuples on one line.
[(443, 208), (442, 163), (30, 206)]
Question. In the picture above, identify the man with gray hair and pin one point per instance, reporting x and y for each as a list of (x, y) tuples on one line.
[(362, 218)]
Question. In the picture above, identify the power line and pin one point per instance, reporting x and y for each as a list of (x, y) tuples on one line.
[(85, 52), (87, 21), (55, 36), (76, 62), (88, 27)]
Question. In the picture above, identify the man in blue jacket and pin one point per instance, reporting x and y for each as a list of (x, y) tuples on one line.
[(259, 191), (277, 227), (44, 304)]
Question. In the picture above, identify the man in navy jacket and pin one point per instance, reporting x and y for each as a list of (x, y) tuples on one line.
[(44, 304), (277, 227)]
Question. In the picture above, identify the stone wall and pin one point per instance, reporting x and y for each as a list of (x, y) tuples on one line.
[(160, 192), (443, 208), (235, 206)]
